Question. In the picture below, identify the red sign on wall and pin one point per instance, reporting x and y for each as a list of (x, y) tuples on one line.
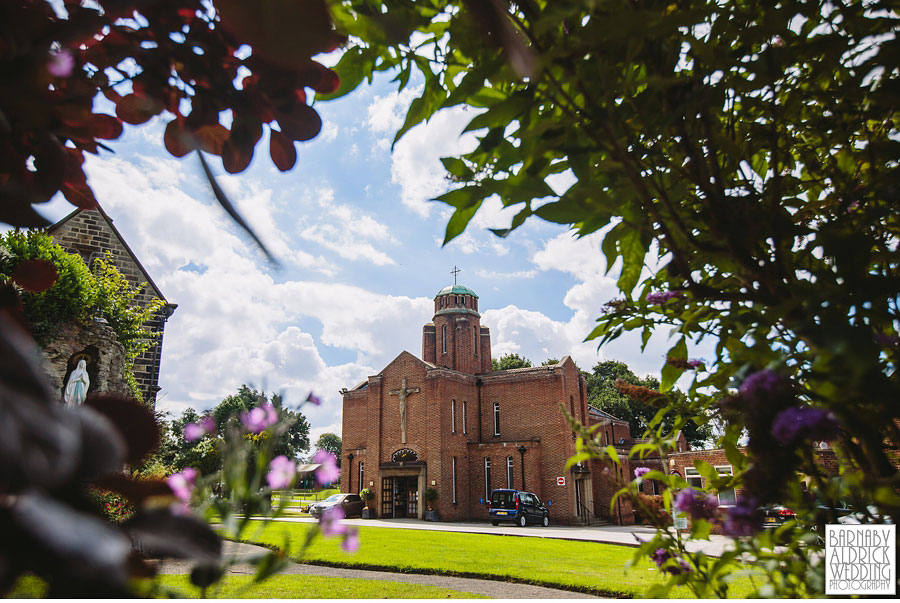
[(560, 481)]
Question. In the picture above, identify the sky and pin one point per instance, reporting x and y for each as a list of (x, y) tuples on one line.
[(358, 243)]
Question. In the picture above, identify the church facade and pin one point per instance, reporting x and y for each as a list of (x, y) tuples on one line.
[(446, 421)]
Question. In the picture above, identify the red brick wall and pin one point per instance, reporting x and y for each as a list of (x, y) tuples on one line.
[(429, 343)]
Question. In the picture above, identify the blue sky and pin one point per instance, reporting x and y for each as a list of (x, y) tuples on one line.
[(360, 253)]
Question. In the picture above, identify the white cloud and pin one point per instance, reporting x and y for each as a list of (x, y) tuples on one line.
[(387, 113), (416, 165)]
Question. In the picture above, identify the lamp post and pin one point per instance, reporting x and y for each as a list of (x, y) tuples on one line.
[(350, 473), (522, 450)]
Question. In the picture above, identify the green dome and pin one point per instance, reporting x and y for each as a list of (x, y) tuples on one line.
[(457, 289)]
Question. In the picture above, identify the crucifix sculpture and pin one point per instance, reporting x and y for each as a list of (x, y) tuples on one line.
[(402, 393)]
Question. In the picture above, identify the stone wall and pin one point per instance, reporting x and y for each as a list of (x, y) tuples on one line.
[(90, 234), (105, 356)]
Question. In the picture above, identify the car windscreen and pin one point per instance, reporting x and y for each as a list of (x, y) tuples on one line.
[(503, 500), (333, 498)]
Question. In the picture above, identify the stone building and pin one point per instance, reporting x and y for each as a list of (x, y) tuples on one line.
[(447, 421), (91, 233)]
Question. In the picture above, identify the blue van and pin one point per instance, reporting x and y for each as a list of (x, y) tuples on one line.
[(518, 507)]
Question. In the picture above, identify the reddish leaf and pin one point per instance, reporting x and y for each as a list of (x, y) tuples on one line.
[(79, 195), (133, 420), (134, 109), (106, 127), (236, 157), (303, 123), (284, 31), (35, 275), (211, 138), (282, 150), (137, 491), (329, 81), (179, 142)]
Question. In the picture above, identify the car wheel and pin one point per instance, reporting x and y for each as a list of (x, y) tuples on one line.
[(495, 523), (522, 521), (546, 521)]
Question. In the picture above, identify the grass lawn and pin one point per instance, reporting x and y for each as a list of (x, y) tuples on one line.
[(283, 587), (586, 566)]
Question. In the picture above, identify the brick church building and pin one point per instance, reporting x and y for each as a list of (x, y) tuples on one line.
[(447, 421)]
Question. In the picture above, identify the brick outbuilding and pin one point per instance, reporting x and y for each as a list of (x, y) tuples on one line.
[(447, 421)]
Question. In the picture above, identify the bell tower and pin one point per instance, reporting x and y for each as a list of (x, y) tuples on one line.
[(455, 338)]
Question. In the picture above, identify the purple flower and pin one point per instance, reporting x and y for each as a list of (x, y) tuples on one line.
[(697, 504), (195, 431), (350, 543), (328, 471), (660, 556), (658, 298), (683, 567), (764, 384), (641, 471), (314, 399), (695, 363), (281, 472), (744, 517), (61, 63), (805, 423), (259, 418), (330, 522), (182, 484)]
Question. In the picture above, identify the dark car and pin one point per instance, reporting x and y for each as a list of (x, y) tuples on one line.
[(352, 504), (517, 506), (776, 515)]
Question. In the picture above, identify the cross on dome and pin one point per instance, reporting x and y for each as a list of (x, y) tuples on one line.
[(454, 272)]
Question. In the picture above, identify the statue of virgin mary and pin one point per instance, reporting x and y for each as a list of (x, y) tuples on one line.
[(77, 386)]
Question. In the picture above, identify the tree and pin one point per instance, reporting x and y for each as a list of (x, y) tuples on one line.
[(602, 394), (740, 160), (510, 361), (331, 443)]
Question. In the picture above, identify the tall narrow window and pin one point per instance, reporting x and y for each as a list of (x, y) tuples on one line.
[(444, 338), (362, 474), (453, 479), (452, 416), (475, 339), (496, 418), (487, 478), (509, 472), (465, 419)]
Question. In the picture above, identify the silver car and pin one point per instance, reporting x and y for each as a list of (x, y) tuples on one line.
[(352, 504)]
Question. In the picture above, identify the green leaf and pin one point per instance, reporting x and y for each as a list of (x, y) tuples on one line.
[(458, 221), (456, 167), (501, 114), (707, 471), (355, 65), (670, 373), (632, 250)]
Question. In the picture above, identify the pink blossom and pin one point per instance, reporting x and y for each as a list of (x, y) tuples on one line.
[(182, 484), (195, 431), (259, 418), (61, 63), (281, 472), (350, 543), (330, 521), (328, 472), (314, 399), (641, 471)]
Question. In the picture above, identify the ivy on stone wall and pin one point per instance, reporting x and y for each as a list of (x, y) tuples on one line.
[(80, 295)]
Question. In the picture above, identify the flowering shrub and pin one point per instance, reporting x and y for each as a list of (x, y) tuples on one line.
[(115, 507)]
